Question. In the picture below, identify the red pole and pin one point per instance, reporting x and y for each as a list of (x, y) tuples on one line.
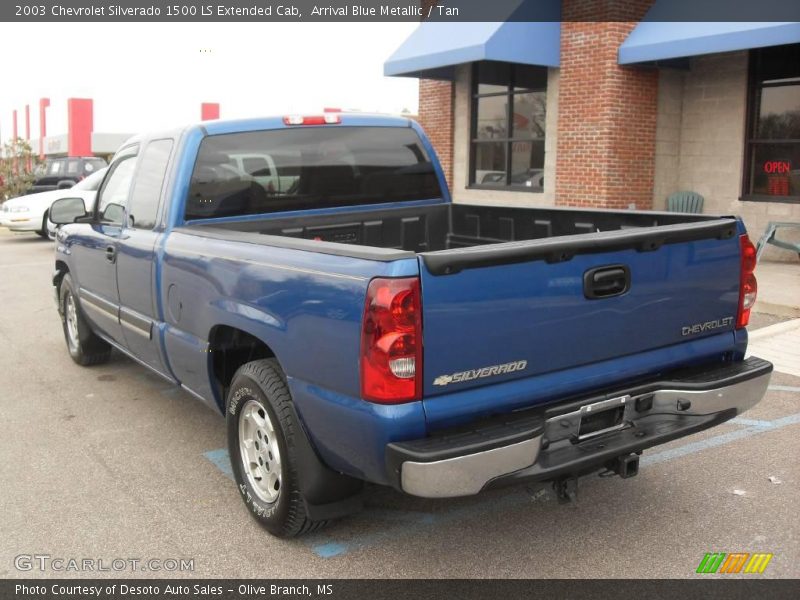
[(14, 137), (80, 119), (28, 165), (43, 104), (209, 111)]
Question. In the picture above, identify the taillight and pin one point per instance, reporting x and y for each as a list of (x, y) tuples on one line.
[(391, 341), (748, 287), (327, 119)]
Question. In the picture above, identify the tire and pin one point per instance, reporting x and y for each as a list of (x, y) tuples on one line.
[(43, 231), (259, 408), (83, 345)]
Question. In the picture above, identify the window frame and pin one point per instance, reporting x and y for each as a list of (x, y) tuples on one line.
[(751, 141), (510, 93), (123, 155), (140, 155)]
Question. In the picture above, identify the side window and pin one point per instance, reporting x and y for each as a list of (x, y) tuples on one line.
[(114, 193), (772, 173), (508, 126), (143, 208), (73, 166)]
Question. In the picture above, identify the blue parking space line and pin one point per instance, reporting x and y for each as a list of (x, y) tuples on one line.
[(784, 388), (750, 422), (787, 420), (720, 440), (330, 549), (221, 460)]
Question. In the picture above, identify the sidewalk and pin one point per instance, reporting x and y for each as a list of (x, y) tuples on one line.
[(779, 344), (778, 294)]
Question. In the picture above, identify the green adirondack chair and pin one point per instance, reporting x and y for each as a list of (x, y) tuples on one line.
[(685, 202), (769, 237)]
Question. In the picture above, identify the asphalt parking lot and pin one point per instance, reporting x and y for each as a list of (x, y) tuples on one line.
[(112, 462)]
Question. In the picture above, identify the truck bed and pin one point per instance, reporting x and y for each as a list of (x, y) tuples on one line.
[(395, 233)]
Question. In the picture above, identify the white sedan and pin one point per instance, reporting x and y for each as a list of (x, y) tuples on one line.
[(29, 213)]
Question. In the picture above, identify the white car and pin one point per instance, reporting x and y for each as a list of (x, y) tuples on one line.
[(29, 213)]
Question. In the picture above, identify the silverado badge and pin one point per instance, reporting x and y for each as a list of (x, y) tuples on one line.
[(510, 367)]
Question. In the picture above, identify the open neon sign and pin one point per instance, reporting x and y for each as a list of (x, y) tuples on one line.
[(777, 167)]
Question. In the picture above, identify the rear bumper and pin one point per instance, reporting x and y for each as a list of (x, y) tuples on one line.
[(558, 441)]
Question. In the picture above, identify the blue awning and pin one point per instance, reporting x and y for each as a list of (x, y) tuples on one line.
[(436, 47), (653, 41)]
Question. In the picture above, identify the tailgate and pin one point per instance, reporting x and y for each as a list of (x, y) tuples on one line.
[(507, 311)]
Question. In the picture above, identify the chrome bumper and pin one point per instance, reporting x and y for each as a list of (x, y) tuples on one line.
[(660, 414), (467, 475)]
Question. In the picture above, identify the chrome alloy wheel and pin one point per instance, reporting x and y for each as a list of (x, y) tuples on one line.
[(71, 316), (258, 447)]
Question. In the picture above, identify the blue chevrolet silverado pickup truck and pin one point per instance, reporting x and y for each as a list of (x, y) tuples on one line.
[(309, 278)]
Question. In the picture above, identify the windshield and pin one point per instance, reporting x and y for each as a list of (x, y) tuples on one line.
[(92, 182), (314, 167)]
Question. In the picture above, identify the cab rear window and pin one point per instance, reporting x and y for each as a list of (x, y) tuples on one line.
[(310, 167)]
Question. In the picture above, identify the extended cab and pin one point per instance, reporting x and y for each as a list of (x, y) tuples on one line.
[(352, 324)]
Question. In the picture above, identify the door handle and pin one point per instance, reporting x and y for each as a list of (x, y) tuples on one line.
[(606, 282), (111, 254)]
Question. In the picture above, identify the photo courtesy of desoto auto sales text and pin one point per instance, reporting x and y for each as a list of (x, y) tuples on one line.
[(406, 299)]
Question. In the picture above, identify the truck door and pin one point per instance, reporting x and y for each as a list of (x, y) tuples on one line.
[(95, 248), (136, 257)]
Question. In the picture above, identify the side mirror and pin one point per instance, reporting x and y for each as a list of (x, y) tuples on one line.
[(67, 210)]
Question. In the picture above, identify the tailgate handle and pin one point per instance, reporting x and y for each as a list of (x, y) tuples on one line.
[(606, 282)]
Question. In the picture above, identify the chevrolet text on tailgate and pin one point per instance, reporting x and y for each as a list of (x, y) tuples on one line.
[(309, 278)]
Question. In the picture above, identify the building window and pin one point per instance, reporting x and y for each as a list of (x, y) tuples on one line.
[(508, 126), (772, 170)]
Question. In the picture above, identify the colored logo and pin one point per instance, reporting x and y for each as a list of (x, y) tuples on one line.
[(735, 562)]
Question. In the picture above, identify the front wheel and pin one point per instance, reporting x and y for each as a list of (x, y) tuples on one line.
[(261, 442), (84, 346)]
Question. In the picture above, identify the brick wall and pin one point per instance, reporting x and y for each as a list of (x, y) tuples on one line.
[(607, 113), (436, 99), (436, 118)]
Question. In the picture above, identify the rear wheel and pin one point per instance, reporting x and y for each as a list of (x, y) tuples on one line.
[(84, 346), (261, 443)]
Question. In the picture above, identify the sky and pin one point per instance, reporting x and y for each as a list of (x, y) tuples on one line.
[(146, 77)]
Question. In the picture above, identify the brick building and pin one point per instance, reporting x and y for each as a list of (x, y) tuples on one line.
[(612, 107)]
